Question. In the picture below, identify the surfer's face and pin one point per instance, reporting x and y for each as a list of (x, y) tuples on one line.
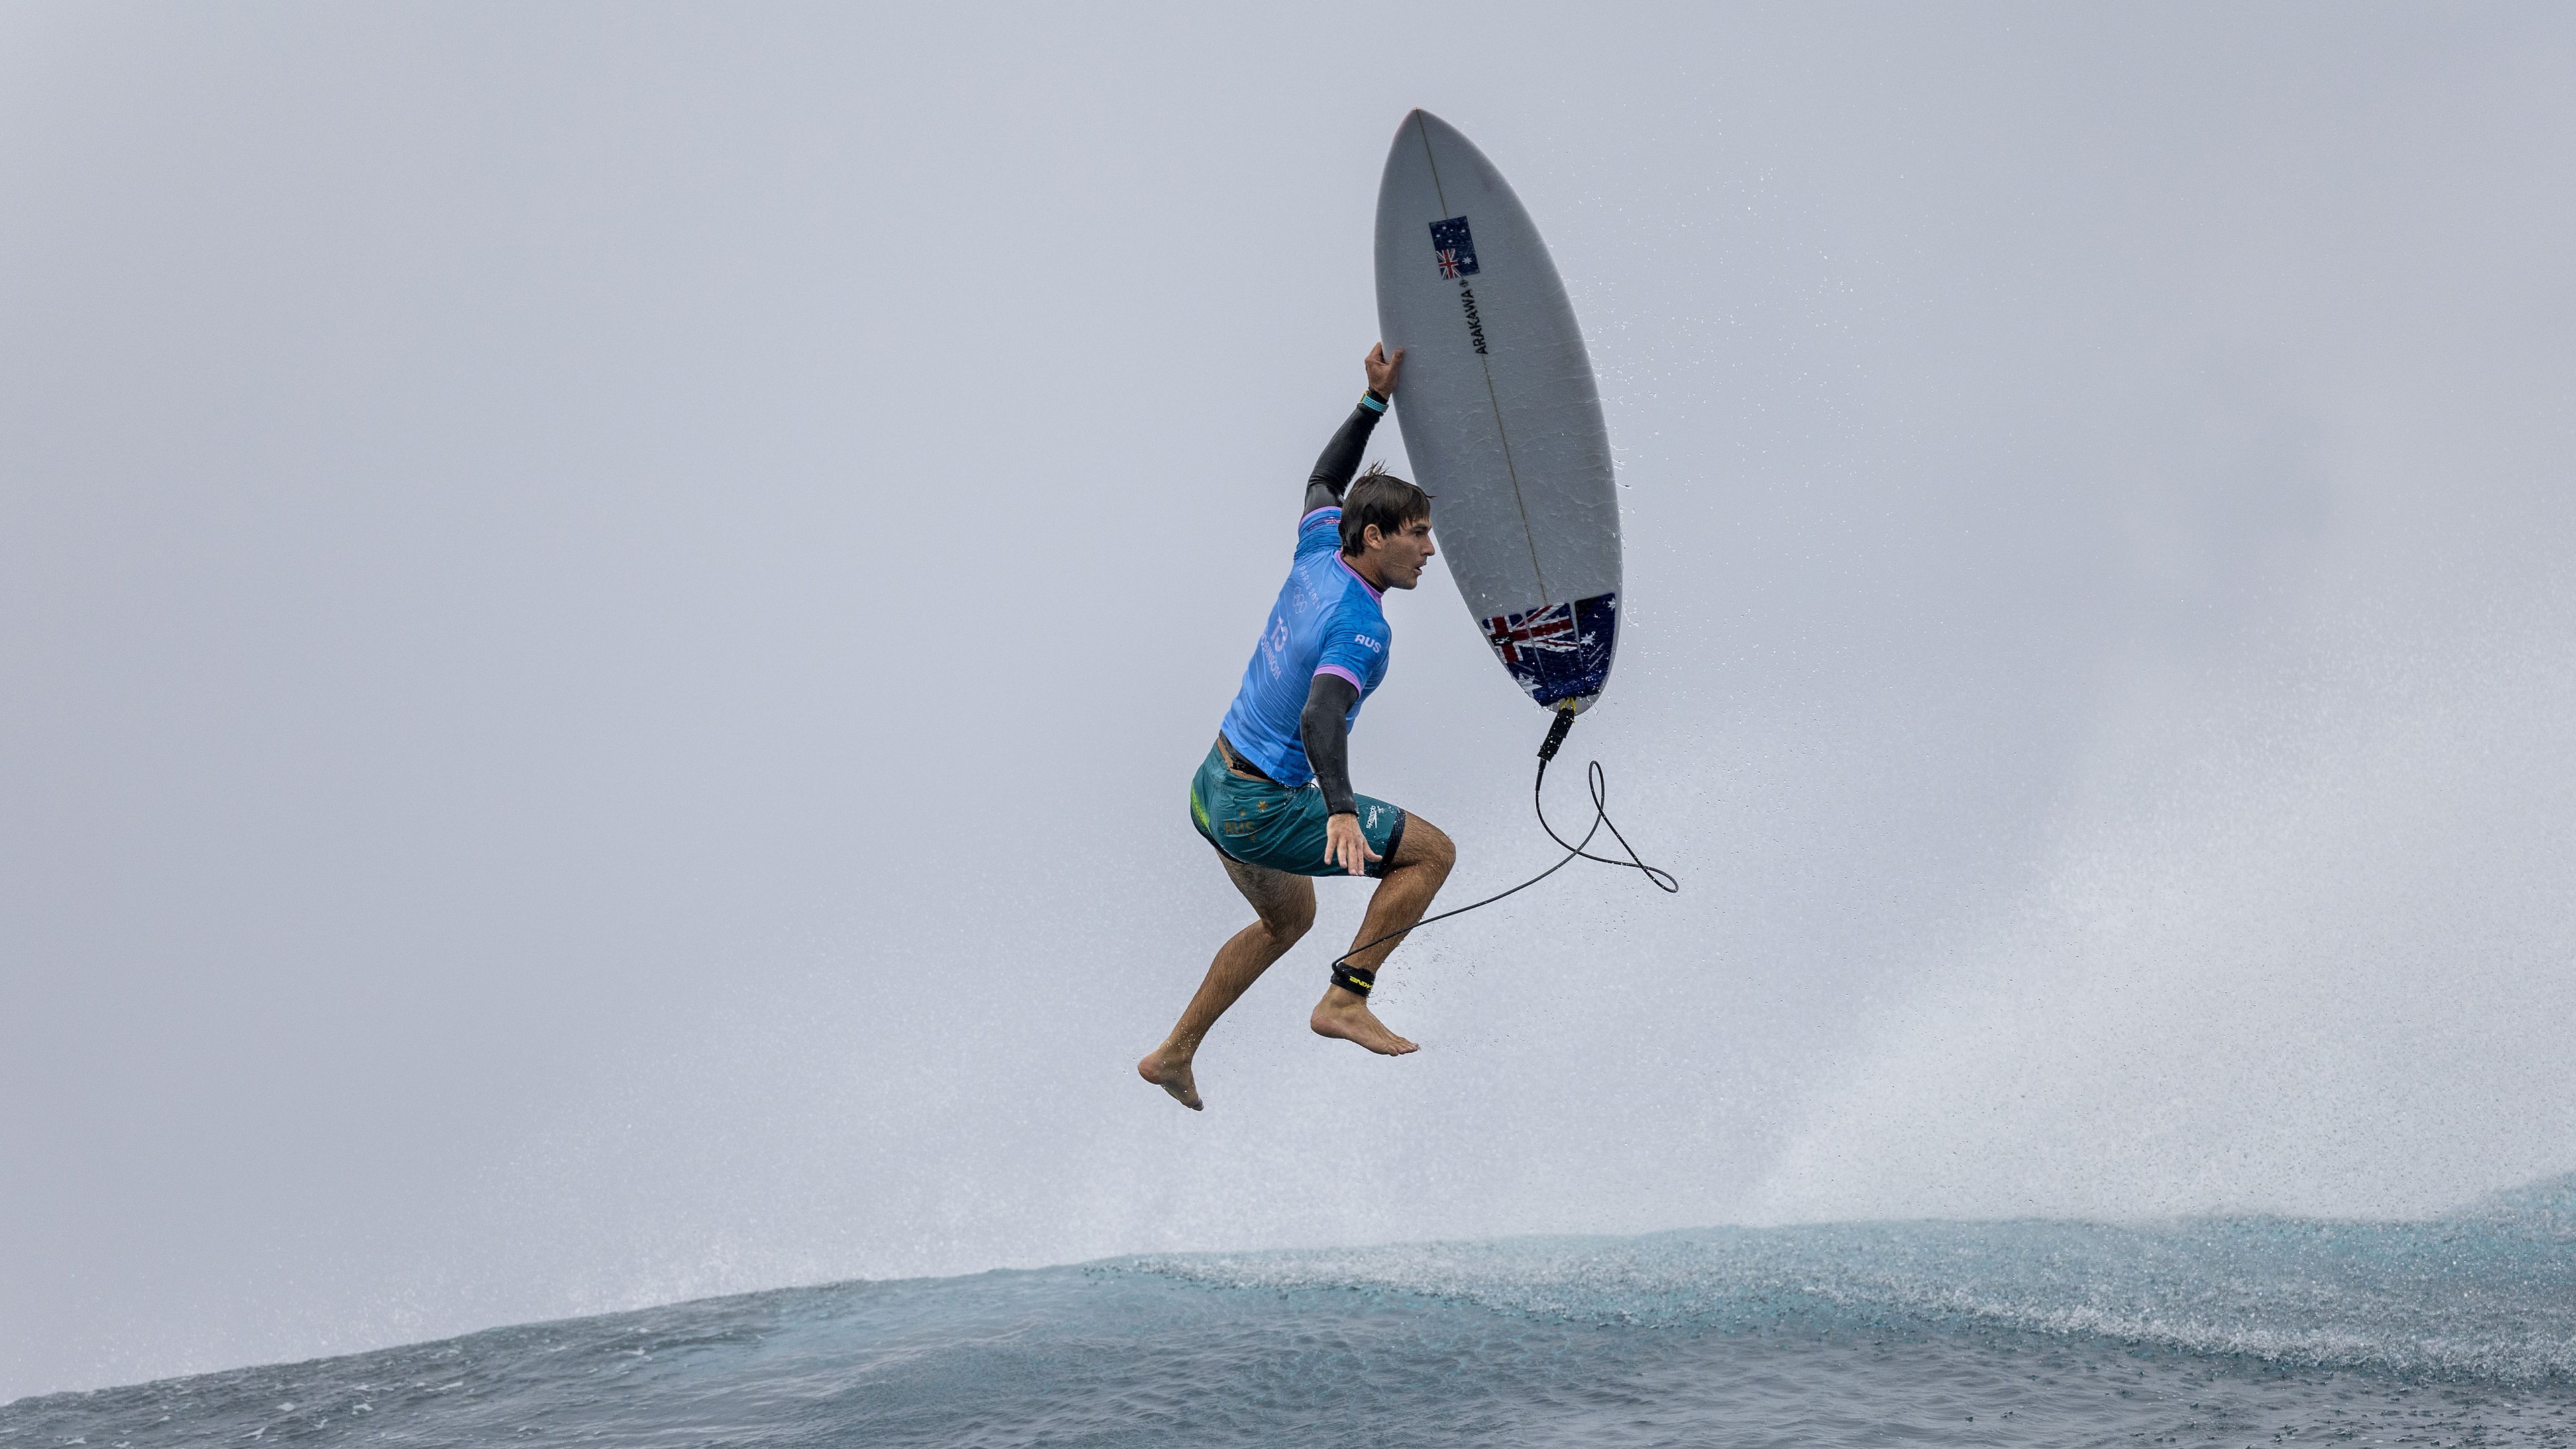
[(1400, 556)]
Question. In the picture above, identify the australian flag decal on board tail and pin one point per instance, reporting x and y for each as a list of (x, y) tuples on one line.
[(1560, 651), (1455, 249)]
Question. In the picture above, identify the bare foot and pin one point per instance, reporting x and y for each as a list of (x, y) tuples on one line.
[(1346, 1015), (1172, 1074)]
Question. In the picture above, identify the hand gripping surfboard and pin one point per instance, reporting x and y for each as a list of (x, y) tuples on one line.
[(1501, 415)]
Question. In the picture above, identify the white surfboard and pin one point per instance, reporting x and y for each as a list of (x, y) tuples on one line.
[(1500, 412)]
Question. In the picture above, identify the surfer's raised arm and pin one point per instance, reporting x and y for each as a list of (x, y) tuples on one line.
[(1341, 456)]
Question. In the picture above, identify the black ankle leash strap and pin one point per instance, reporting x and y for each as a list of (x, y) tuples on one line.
[(1663, 880)]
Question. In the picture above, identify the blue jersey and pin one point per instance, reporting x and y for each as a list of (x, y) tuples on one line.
[(1327, 621)]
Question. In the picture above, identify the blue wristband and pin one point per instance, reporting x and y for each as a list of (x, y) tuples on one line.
[(1369, 400)]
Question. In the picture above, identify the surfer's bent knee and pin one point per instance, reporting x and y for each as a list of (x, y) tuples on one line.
[(1291, 923), (1426, 844)]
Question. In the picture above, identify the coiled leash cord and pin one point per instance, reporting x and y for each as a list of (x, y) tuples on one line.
[(1353, 979)]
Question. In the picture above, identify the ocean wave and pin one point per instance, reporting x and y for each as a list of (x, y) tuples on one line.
[(2488, 1292), (1969, 1334)]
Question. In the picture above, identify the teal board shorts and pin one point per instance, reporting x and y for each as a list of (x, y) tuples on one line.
[(1269, 825)]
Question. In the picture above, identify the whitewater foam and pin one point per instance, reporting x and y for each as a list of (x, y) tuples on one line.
[(2488, 1292)]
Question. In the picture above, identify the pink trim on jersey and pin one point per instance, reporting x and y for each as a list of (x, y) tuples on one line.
[(1374, 591), (1327, 508), (1338, 672)]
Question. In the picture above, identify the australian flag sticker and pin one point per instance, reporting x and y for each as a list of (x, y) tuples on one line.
[(1558, 651), (1454, 247)]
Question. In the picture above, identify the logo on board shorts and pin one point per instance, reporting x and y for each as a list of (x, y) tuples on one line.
[(1455, 249)]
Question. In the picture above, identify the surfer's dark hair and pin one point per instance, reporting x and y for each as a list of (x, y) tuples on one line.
[(1378, 496)]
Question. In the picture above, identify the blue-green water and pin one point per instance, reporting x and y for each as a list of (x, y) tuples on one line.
[(2457, 1330)]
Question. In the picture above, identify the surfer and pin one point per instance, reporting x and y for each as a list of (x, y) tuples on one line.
[(1274, 793)]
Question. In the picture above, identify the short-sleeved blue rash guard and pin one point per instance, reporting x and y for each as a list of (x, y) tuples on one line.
[(1327, 621)]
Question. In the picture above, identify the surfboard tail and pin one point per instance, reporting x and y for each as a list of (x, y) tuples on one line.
[(1559, 652)]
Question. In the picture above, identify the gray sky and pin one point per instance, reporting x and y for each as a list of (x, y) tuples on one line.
[(607, 610)]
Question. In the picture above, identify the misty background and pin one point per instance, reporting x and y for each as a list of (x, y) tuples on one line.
[(605, 612)]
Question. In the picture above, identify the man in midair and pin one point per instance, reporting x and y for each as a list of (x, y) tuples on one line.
[(1274, 794)]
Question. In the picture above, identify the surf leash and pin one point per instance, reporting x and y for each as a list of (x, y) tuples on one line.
[(1358, 981)]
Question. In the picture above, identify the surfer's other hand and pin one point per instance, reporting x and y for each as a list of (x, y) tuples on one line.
[(1345, 845), (1381, 369)]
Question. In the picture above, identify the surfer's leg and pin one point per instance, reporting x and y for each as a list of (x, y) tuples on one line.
[(1414, 872), (1284, 909)]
